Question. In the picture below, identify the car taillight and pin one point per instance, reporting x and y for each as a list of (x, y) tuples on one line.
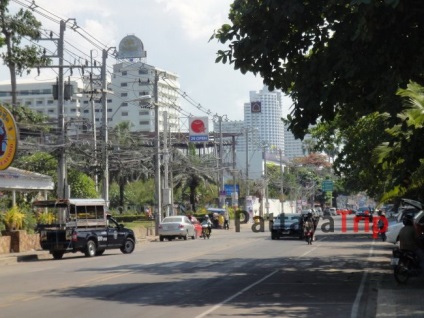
[(181, 226), (74, 236)]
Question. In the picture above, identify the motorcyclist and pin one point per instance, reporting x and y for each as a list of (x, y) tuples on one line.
[(207, 221), (408, 239), (309, 224)]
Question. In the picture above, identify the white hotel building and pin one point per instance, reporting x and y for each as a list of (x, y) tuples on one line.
[(130, 79)]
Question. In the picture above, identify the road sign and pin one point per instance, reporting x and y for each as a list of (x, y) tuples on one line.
[(327, 185)]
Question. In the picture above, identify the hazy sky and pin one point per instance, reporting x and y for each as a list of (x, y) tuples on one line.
[(175, 34)]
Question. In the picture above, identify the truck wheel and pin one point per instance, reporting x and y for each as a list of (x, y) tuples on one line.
[(90, 250), (128, 247), (57, 255), (161, 238)]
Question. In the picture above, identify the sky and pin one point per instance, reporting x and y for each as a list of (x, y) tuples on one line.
[(175, 34)]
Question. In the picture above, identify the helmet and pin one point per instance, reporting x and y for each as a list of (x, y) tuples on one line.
[(207, 216), (407, 219), (309, 214)]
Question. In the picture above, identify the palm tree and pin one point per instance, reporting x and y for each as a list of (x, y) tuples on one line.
[(192, 171), (128, 161)]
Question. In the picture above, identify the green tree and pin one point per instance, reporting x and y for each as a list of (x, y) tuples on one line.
[(330, 57), (19, 58), (82, 186), (402, 152), (190, 172)]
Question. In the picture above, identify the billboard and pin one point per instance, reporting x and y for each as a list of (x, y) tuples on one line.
[(8, 138), (199, 129)]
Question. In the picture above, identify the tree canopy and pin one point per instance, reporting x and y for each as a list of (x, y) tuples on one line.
[(331, 57), (342, 63)]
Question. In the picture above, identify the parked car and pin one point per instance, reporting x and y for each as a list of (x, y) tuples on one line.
[(330, 211), (286, 224), (362, 211), (179, 226)]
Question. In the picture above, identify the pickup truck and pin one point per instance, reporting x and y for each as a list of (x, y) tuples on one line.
[(80, 225)]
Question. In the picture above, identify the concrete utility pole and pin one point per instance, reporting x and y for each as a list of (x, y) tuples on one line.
[(282, 180), (105, 130), (105, 127), (158, 189), (93, 121), (62, 179)]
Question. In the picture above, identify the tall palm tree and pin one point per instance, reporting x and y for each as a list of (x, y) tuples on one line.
[(192, 171)]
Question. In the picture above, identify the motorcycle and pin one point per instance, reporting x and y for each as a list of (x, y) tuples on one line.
[(406, 264), (309, 236), (206, 231)]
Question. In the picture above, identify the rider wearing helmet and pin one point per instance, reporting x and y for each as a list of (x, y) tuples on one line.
[(308, 224), (207, 221), (409, 240)]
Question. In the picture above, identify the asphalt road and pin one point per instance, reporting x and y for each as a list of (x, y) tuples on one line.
[(242, 274)]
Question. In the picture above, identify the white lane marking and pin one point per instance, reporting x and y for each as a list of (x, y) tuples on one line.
[(235, 295), (355, 307)]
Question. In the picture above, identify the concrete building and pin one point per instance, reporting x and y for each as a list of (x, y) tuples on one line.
[(130, 80)]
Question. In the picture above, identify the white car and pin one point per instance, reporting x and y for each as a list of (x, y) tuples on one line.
[(176, 226)]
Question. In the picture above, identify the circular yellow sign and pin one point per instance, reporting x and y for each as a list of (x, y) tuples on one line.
[(8, 138)]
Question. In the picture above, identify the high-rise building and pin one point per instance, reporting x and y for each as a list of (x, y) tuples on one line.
[(130, 81), (263, 115)]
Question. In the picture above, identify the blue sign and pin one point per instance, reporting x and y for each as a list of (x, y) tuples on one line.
[(229, 188), (199, 138)]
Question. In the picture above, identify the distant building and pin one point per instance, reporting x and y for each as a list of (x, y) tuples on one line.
[(130, 80)]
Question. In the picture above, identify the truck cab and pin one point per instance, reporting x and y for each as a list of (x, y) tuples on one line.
[(80, 225)]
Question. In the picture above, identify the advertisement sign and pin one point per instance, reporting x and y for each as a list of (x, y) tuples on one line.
[(8, 138), (198, 129)]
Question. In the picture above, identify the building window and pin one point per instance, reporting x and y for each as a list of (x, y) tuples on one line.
[(73, 110), (109, 100), (28, 103), (50, 102), (124, 84), (124, 73), (39, 102), (124, 104), (143, 71), (47, 91), (143, 113), (124, 114), (50, 111), (124, 94), (86, 102), (86, 111), (144, 122)]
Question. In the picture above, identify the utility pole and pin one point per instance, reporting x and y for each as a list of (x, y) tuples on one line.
[(166, 189), (247, 163), (235, 194), (158, 189), (93, 121), (282, 180), (62, 174), (105, 129)]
